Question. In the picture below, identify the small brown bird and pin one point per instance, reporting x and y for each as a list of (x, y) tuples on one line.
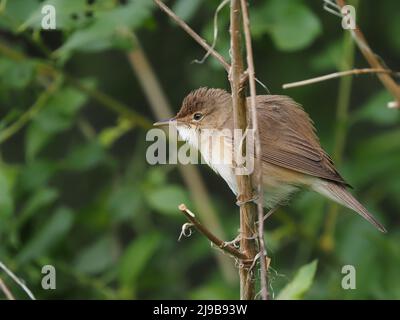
[(291, 155)]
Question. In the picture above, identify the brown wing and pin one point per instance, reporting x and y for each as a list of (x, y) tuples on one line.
[(289, 139)]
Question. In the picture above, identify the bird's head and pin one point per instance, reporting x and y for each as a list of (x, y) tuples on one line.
[(201, 109)]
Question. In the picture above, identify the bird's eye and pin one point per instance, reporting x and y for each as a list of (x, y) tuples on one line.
[(197, 116)]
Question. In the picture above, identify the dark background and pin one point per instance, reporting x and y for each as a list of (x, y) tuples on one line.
[(76, 191)]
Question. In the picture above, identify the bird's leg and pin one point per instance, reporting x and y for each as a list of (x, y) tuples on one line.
[(270, 212)]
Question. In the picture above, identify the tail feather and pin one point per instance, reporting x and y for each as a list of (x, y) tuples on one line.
[(339, 194)]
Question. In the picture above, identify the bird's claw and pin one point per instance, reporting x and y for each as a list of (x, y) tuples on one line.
[(234, 242), (241, 200)]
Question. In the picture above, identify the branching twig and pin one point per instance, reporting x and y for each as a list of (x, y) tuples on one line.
[(335, 75), (373, 60), (210, 236), (258, 167), (193, 34), (17, 280), (200, 40), (219, 8)]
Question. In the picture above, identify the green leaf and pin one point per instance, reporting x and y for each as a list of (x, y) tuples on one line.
[(64, 11), (47, 236), (96, 257), (16, 75), (300, 284), (108, 136), (6, 199), (329, 58), (19, 10), (42, 198), (125, 201), (59, 111), (108, 29), (186, 9), (84, 157), (291, 24), (167, 199), (135, 259), (36, 174), (376, 110), (56, 116)]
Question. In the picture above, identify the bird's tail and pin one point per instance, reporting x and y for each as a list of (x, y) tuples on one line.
[(340, 195)]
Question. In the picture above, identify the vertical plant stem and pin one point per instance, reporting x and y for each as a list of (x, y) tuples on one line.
[(341, 131), (388, 82), (247, 209), (258, 165)]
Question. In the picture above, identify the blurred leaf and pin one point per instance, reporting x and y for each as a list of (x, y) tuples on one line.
[(125, 201), (16, 75), (56, 116), (135, 259), (60, 109), (283, 19), (156, 176), (65, 10), (329, 58), (96, 257), (376, 110), (47, 236), (109, 135), (35, 174), (6, 199), (216, 290), (108, 28), (300, 284), (167, 199), (84, 157), (39, 200), (186, 9), (17, 11)]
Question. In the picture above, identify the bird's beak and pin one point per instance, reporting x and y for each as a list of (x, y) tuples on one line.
[(165, 122)]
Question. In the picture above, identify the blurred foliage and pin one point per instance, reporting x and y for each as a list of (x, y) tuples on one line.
[(76, 191)]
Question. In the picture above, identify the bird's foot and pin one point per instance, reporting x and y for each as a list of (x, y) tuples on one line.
[(241, 200), (235, 242)]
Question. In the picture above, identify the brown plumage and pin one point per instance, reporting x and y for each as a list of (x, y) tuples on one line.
[(291, 154)]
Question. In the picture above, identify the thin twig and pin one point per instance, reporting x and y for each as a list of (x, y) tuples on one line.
[(215, 37), (258, 167), (6, 291), (193, 34), (17, 280), (210, 236), (200, 40), (372, 59), (334, 75)]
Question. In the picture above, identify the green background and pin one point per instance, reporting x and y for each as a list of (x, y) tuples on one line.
[(76, 191)]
